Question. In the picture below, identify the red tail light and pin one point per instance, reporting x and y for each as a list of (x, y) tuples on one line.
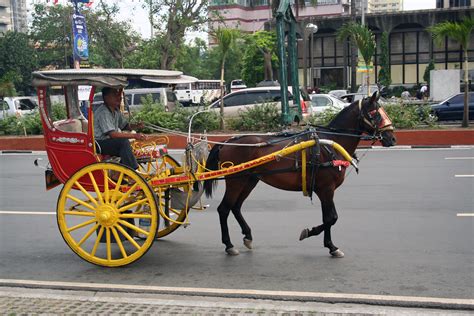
[(304, 108)]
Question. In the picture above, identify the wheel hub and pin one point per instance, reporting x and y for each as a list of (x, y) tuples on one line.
[(106, 215)]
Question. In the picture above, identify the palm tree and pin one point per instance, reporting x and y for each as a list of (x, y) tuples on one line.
[(461, 33), (363, 38), (225, 39)]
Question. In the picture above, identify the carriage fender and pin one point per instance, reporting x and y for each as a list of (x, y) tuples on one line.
[(341, 150)]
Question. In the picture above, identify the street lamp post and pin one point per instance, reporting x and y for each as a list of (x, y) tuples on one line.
[(310, 29)]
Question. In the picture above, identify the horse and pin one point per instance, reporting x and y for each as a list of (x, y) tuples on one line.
[(364, 118)]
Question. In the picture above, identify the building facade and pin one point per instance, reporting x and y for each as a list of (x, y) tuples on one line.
[(375, 6), (19, 15), (411, 47), (443, 4), (5, 16), (251, 15)]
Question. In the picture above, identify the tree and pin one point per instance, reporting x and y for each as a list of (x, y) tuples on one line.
[(461, 33), (426, 75), (109, 40), (177, 17), (363, 38), (385, 77), (17, 62), (256, 46), (225, 39)]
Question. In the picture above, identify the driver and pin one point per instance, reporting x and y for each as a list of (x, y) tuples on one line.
[(112, 131)]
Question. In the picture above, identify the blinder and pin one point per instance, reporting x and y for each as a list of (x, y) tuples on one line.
[(376, 119)]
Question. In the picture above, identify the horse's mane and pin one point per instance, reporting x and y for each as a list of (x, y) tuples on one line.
[(341, 118)]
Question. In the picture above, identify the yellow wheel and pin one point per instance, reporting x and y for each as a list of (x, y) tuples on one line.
[(172, 209), (101, 210)]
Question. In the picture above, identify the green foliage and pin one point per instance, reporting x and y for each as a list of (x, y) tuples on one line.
[(29, 124), (410, 115), (17, 62), (426, 75), (322, 118), (265, 117), (58, 112), (458, 31), (177, 120), (385, 78), (361, 36), (110, 39), (253, 60)]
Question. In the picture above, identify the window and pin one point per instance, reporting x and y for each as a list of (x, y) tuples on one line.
[(4, 106), (24, 104), (320, 101), (139, 97), (234, 100)]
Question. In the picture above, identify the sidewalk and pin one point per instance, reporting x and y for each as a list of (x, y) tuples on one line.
[(21, 301)]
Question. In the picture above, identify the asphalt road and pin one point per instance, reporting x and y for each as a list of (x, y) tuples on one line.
[(398, 226)]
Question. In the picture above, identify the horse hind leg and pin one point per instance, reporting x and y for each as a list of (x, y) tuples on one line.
[(224, 209)]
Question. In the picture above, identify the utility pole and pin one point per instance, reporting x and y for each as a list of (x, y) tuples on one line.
[(353, 51)]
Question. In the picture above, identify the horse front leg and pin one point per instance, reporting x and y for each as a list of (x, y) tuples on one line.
[(329, 219)]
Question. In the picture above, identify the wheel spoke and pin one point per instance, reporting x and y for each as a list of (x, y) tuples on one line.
[(119, 242), (78, 201), (87, 235), (132, 205), (81, 225), (134, 215), (90, 197), (108, 244), (106, 187), (127, 235), (135, 228), (96, 244), (79, 213), (117, 188), (96, 188), (127, 194)]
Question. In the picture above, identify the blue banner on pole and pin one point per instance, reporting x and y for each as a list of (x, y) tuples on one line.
[(81, 41)]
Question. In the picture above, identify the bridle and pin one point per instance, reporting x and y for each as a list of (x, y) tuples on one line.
[(376, 119)]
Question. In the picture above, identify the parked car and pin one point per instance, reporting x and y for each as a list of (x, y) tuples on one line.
[(323, 102), (338, 93), (18, 106), (453, 108), (237, 84), (135, 97), (245, 98)]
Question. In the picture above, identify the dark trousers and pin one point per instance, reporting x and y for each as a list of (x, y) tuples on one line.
[(119, 147)]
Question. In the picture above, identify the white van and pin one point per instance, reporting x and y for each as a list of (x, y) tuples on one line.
[(199, 92), (17, 106), (134, 98), (237, 84)]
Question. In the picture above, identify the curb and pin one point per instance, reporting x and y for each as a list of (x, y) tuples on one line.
[(380, 300)]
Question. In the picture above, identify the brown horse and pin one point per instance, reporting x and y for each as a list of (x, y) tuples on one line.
[(322, 177)]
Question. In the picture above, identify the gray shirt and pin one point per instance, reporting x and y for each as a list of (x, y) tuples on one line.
[(106, 121)]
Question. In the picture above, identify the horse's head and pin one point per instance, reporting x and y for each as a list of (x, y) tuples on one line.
[(375, 121)]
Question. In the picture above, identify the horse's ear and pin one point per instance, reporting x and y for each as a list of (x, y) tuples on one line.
[(375, 97)]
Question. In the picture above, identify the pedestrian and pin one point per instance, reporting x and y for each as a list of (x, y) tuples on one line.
[(424, 92), (112, 131)]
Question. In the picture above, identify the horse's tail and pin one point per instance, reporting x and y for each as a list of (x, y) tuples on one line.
[(212, 163)]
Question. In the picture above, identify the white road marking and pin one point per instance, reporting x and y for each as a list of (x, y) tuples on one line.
[(26, 213), (464, 175), (149, 289), (459, 158), (465, 214)]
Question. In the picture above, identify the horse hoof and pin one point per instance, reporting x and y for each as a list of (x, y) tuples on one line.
[(232, 251), (304, 234), (337, 253), (248, 243)]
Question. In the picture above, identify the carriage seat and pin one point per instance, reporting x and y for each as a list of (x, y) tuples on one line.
[(72, 125)]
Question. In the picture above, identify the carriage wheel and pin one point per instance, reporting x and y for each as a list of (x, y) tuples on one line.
[(173, 213), (100, 211)]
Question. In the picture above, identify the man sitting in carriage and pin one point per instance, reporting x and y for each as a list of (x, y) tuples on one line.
[(112, 130)]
